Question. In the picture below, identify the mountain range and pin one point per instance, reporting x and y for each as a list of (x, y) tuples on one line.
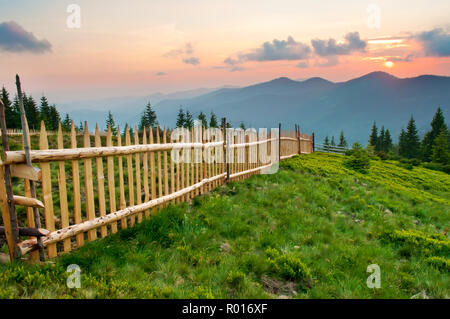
[(316, 104)]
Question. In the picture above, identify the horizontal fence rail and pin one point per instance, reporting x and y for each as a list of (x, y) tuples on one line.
[(110, 181), (330, 148)]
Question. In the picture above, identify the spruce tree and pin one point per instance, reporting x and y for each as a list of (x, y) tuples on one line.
[(213, 120), (181, 119), (31, 111), (44, 111), (202, 118), (387, 145), (412, 140), (380, 140), (332, 141), (66, 123), (373, 135), (437, 126), (111, 123), (326, 143), (241, 126), (11, 116), (441, 153), (189, 120), (402, 144), (55, 118), (342, 141), (148, 118)]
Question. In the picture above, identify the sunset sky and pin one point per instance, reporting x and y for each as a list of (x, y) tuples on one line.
[(141, 47)]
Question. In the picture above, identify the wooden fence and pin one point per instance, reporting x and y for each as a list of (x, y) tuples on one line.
[(109, 183), (330, 148)]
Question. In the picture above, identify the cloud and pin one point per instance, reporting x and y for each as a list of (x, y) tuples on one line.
[(407, 58), (192, 60), (330, 61), (435, 42), (160, 73), (14, 38), (278, 50), (187, 49), (331, 47), (302, 65)]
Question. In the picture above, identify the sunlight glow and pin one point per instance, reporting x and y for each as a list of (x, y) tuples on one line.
[(389, 64)]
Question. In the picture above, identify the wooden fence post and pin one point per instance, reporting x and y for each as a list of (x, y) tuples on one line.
[(279, 142), (226, 148), (313, 143), (6, 196)]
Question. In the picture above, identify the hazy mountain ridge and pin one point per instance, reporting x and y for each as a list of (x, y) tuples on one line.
[(323, 106)]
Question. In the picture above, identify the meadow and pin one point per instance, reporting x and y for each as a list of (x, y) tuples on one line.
[(308, 231)]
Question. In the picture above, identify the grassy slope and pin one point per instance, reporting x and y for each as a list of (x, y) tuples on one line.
[(315, 213)]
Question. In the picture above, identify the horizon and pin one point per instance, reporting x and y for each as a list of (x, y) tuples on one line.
[(111, 49)]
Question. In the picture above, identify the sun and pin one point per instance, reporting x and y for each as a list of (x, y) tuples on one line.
[(389, 64)]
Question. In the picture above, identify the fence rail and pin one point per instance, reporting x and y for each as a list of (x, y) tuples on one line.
[(330, 148), (113, 182)]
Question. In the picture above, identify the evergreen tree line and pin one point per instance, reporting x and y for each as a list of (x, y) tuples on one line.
[(342, 141), (434, 147), (35, 113), (185, 119)]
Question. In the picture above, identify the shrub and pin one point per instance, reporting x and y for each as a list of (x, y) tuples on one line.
[(358, 160), (439, 262), (287, 266), (235, 278), (437, 167), (417, 241), (382, 155)]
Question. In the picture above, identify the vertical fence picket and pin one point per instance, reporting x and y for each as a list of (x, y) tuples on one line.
[(172, 170), (47, 192), (166, 177), (76, 187), (152, 171), (130, 174), (111, 180), (145, 176), (158, 162), (89, 187), (137, 158), (63, 191), (100, 182), (122, 200)]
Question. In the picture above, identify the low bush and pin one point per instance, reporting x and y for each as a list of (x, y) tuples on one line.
[(287, 266), (358, 160)]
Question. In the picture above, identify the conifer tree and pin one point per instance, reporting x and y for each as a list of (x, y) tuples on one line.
[(402, 147), (202, 118), (332, 141), (111, 123), (31, 111), (437, 126), (380, 140), (181, 119), (373, 135), (11, 116), (412, 140), (189, 120), (441, 153), (66, 123), (342, 141), (54, 119), (45, 112), (387, 145), (148, 118), (213, 120)]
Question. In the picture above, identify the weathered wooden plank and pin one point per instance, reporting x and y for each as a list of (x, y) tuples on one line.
[(47, 192), (111, 180), (152, 171), (88, 184), (137, 159), (145, 173), (100, 183), (25, 171), (130, 175), (122, 201), (165, 168), (76, 187)]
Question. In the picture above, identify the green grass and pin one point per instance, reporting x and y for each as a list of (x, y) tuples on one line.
[(309, 231)]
